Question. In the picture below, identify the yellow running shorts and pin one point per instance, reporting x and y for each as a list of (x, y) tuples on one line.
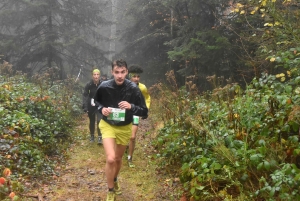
[(122, 134)]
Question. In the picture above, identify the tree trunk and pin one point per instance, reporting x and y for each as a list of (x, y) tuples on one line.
[(49, 38), (113, 31), (172, 16)]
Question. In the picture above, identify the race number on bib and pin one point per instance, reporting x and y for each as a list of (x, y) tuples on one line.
[(116, 114)]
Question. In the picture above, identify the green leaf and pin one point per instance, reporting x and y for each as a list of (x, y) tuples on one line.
[(260, 166), (255, 157), (267, 165), (206, 170), (272, 192), (216, 166), (295, 126), (204, 165), (296, 152), (288, 89), (278, 59), (192, 190), (244, 177), (262, 142), (200, 188), (293, 139)]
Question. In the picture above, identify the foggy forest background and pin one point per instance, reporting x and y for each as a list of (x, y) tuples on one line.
[(191, 37), (223, 77)]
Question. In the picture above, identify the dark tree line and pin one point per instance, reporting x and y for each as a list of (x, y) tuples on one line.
[(222, 39), (37, 35), (185, 36)]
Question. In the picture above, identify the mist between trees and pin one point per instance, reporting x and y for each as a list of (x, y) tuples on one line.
[(225, 40)]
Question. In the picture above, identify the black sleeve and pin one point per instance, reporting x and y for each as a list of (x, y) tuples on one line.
[(139, 107), (85, 97), (97, 99), (97, 104)]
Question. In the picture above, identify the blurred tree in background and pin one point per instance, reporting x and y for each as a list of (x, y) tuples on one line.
[(189, 37), (40, 34), (199, 39)]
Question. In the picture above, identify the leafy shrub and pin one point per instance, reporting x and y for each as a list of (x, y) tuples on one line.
[(36, 123), (228, 145), (8, 187)]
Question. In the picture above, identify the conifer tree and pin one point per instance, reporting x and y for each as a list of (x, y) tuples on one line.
[(185, 36), (36, 35)]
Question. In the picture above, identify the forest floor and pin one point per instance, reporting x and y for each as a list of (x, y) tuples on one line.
[(82, 178)]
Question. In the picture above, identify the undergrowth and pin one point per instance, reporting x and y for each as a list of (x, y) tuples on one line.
[(37, 115), (230, 144)]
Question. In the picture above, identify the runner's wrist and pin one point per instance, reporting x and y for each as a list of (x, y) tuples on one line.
[(100, 109)]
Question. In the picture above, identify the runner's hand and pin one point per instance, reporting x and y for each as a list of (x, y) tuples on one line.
[(124, 105), (106, 111)]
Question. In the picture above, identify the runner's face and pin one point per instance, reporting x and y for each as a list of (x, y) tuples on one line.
[(135, 79), (119, 74), (96, 77)]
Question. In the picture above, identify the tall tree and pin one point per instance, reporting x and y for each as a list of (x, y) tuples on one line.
[(144, 36), (203, 45), (276, 32), (188, 36), (113, 32), (36, 35)]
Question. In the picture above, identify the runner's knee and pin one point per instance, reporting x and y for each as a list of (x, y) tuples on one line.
[(110, 160)]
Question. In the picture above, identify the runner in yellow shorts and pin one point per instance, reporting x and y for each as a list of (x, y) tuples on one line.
[(118, 99), (134, 76), (122, 134)]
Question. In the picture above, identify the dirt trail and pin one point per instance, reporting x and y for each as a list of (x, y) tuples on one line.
[(83, 178)]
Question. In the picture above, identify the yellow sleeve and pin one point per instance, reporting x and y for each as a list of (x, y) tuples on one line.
[(145, 93)]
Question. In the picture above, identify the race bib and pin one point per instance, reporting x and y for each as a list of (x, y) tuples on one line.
[(136, 119), (116, 114)]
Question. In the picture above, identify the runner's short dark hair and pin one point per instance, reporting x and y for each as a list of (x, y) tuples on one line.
[(134, 68), (119, 63)]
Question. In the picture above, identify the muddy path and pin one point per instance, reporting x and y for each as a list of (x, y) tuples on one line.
[(82, 178)]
